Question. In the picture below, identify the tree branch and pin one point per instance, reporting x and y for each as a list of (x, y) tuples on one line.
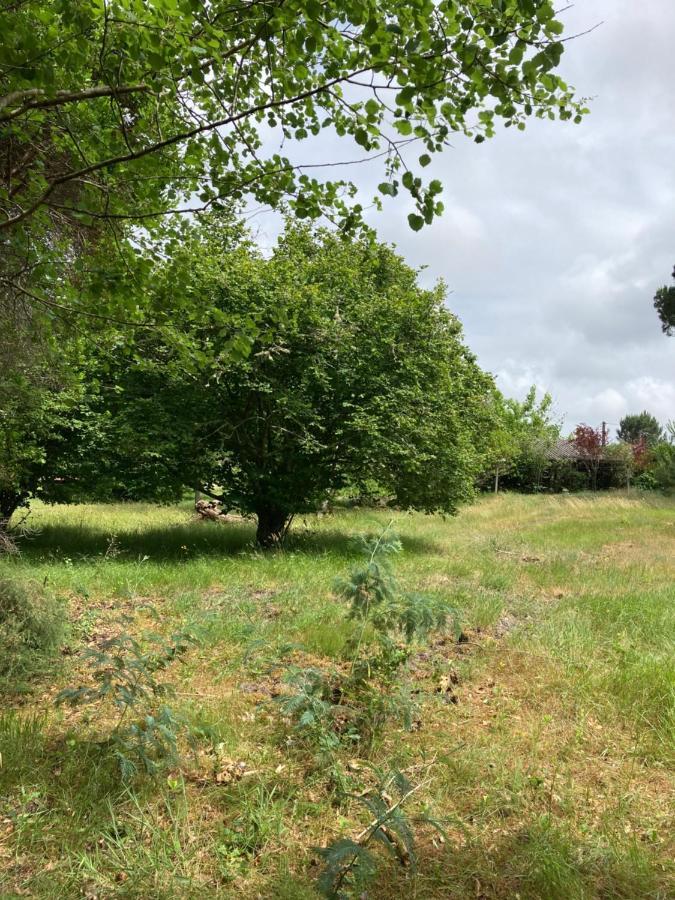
[(52, 304), (61, 97), (172, 141)]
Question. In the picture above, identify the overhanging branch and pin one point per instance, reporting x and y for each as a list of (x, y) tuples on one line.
[(29, 99), (172, 141)]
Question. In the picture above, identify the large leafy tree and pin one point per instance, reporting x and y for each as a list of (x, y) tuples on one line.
[(355, 375), (664, 303), (114, 112), (38, 388), (640, 428)]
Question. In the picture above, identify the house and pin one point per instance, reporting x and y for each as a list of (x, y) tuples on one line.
[(563, 449)]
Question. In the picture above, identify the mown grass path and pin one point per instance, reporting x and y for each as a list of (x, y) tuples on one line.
[(547, 738)]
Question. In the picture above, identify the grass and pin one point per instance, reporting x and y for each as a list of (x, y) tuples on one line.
[(551, 769)]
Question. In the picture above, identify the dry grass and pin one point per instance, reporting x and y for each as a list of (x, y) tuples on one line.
[(547, 737)]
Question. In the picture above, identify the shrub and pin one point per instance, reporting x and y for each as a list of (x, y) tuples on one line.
[(353, 706), (31, 628), (663, 466), (646, 482)]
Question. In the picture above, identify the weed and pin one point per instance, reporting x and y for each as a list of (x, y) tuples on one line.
[(125, 673), (350, 863), (393, 617), (357, 705)]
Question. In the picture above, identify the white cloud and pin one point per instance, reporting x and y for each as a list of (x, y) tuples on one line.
[(654, 394), (554, 241)]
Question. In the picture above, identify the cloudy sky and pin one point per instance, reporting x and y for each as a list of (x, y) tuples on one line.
[(554, 240)]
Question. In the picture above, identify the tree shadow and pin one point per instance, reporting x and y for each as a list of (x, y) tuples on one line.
[(540, 859), (172, 542), (345, 543), (48, 773), (193, 540)]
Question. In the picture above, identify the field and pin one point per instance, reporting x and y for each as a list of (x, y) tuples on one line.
[(543, 740)]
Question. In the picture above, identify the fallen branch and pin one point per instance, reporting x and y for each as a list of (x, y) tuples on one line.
[(213, 511)]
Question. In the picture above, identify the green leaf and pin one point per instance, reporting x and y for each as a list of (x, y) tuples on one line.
[(403, 126), (372, 107), (361, 137)]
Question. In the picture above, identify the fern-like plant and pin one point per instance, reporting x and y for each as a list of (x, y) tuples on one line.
[(349, 863), (311, 705), (391, 617), (357, 704), (125, 673)]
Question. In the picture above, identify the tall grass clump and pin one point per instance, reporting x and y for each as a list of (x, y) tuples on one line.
[(32, 625)]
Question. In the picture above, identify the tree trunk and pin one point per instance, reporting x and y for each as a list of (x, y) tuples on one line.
[(272, 526), (9, 501)]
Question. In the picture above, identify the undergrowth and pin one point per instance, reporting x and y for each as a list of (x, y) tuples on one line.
[(352, 704), (32, 625), (539, 739), (125, 671)]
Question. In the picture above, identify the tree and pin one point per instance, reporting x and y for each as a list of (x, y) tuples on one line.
[(526, 434), (590, 445), (38, 387), (639, 427), (664, 304), (115, 112), (659, 462), (355, 374), (662, 468)]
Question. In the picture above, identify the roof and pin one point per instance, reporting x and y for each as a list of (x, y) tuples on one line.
[(564, 449)]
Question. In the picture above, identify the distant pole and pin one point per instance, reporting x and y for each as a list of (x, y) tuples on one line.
[(604, 434), (499, 462)]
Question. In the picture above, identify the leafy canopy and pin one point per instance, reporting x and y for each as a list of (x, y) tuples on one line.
[(529, 422), (521, 444), (351, 373), (639, 427), (118, 111)]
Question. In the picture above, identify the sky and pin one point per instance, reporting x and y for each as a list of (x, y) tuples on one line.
[(554, 240)]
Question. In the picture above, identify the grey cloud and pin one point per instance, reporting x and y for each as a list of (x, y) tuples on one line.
[(554, 240)]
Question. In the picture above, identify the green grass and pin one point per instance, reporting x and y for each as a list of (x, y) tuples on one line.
[(552, 771)]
